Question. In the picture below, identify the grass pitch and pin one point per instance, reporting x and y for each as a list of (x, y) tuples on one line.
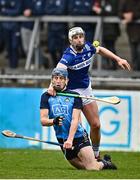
[(46, 164)]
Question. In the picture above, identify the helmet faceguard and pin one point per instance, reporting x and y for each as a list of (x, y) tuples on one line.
[(76, 31), (60, 72), (63, 73)]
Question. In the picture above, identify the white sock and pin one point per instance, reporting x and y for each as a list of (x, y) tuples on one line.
[(95, 148)]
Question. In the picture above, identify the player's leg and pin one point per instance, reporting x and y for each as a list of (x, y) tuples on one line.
[(85, 160), (90, 110), (77, 163), (86, 155), (83, 150), (82, 156), (71, 154), (91, 113)]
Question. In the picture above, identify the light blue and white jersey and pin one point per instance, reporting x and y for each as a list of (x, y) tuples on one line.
[(62, 106), (78, 65)]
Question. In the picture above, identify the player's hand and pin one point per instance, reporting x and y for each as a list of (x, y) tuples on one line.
[(27, 12), (51, 91), (58, 121), (67, 144), (124, 64), (128, 17)]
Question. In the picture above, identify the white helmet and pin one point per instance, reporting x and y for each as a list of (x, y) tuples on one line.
[(75, 30)]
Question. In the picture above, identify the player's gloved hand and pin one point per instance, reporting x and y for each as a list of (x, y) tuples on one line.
[(58, 120)]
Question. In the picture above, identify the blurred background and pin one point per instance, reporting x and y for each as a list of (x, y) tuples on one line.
[(33, 36)]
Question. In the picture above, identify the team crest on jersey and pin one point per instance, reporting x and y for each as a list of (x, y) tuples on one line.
[(84, 57), (67, 100)]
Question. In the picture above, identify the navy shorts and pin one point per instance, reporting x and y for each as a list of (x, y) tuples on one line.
[(78, 143)]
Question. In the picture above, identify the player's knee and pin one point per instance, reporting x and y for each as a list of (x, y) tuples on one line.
[(95, 125)]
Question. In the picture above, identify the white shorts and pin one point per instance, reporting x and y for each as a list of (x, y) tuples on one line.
[(85, 92)]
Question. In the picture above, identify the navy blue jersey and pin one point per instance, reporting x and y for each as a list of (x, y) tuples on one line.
[(78, 66), (11, 8), (56, 7), (62, 106), (38, 7), (80, 7)]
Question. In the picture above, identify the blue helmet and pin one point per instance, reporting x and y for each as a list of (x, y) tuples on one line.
[(60, 72)]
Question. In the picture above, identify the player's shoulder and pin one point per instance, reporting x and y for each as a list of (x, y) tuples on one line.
[(77, 100), (68, 56), (45, 95), (88, 43), (90, 47), (70, 52)]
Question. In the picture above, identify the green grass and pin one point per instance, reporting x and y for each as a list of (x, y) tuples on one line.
[(44, 164)]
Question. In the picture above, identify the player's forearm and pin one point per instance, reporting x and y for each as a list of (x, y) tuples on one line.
[(46, 121), (73, 129), (60, 65), (51, 90), (50, 85), (107, 53)]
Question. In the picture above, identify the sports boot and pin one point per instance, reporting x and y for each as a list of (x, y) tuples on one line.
[(108, 163)]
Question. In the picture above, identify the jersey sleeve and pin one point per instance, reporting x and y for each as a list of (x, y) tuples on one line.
[(77, 103), (44, 101), (66, 59), (92, 47)]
